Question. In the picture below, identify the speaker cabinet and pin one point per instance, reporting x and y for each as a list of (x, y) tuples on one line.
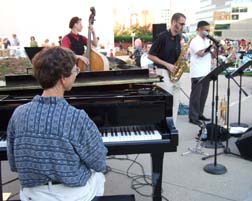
[(156, 29), (244, 144)]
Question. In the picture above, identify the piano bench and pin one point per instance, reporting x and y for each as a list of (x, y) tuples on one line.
[(116, 198)]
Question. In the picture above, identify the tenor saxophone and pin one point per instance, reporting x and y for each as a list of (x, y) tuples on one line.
[(182, 64)]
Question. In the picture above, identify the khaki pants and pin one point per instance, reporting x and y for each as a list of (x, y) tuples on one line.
[(173, 89), (60, 192)]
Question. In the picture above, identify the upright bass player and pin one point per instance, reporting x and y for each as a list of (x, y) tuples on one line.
[(76, 41)]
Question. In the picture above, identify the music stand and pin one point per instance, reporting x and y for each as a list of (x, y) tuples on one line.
[(227, 149), (32, 51), (239, 72), (213, 76)]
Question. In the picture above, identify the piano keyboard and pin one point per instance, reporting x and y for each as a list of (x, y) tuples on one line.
[(130, 133), (119, 134)]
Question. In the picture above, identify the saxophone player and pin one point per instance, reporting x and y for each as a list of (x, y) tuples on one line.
[(200, 66), (165, 52)]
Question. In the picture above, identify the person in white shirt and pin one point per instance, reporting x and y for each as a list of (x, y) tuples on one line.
[(200, 66), (145, 61), (16, 41)]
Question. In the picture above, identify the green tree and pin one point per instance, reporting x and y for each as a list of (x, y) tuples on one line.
[(123, 34)]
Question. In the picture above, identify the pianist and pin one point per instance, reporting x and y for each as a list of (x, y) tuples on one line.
[(55, 148)]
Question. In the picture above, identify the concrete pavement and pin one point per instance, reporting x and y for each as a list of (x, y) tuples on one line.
[(183, 176)]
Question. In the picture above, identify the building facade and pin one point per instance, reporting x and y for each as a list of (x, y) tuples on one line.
[(227, 17)]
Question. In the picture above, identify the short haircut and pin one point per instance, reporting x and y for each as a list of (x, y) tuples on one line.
[(50, 64), (202, 24), (73, 21), (177, 16)]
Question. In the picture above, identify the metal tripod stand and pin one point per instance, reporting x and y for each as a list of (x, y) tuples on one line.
[(198, 148)]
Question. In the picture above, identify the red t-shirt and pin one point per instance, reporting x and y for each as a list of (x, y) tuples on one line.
[(67, 43)]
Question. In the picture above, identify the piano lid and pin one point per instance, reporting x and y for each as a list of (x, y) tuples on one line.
[(101, 78)]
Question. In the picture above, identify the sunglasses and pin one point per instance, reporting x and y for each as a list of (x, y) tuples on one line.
[(182, 24)]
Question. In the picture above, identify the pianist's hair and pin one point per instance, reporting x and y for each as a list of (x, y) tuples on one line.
[(50, 64)]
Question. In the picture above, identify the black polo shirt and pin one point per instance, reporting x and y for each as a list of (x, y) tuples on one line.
[(166, 47)]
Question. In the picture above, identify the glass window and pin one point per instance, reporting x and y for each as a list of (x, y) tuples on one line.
[(235, 17), (221, 26), (235, 10), (218, 33), (243, 10)]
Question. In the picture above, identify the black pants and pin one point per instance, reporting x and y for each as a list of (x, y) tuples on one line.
[(138, 61), (198, 98)]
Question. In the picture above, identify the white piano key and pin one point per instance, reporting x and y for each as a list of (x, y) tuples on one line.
[(3, 143)]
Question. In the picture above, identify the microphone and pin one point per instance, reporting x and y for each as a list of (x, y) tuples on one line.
[(206, 34)]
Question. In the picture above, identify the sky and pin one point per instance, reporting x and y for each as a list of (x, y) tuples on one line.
[(49, 18), (188, 7)]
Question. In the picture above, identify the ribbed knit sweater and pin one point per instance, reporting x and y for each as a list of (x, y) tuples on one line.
[(50, 140)]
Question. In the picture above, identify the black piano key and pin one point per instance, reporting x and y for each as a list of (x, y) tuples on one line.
[(123, 131), (129, 131), (151, 130), (147, 131), (135, 131), (126, 131), (3, 136), (139, 130), (114, 131)]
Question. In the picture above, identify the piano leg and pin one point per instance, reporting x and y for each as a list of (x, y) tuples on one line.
[(1, 187), (157, 172)]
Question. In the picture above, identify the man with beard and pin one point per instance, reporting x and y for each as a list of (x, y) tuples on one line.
[(164, 52)]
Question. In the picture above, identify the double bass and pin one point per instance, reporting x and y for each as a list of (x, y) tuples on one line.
[(97, 61)]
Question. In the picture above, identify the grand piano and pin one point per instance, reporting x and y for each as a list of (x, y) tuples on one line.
[(132, 113)]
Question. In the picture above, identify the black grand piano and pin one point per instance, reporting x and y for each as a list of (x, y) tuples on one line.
[(132, 113)]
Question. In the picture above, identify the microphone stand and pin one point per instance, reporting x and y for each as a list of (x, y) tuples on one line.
[(214, 168)]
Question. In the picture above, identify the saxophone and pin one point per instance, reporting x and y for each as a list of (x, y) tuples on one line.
[(182, 64)]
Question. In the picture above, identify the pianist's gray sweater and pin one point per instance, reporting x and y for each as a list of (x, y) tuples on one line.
[(50, 140)]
